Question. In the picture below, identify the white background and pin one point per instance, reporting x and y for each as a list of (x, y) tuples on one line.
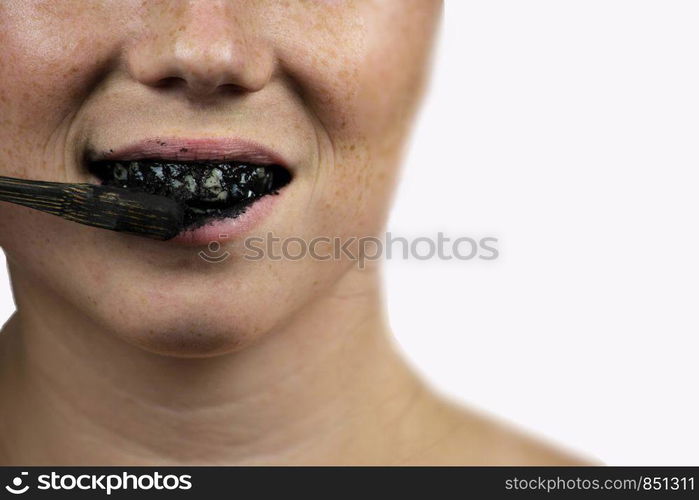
[(568, 129)]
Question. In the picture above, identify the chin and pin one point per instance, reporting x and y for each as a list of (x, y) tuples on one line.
[(189, 343), (186, 337), (190, 316)]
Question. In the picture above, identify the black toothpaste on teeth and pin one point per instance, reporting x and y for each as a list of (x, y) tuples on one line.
[(206, 190)]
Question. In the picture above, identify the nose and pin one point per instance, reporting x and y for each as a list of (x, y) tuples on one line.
[(202, 47)]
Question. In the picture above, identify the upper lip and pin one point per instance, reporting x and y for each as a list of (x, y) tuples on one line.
[(186, 149)]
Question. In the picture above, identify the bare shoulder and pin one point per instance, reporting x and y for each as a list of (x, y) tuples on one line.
[(473, 438)]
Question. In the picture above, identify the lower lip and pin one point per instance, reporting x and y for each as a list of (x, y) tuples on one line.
[(222, 230)]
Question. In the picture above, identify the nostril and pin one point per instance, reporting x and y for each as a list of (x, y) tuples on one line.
[(197, 87), (171, 82), (231, 88)]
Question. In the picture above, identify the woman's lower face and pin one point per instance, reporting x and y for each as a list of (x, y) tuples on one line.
[(197, 98)]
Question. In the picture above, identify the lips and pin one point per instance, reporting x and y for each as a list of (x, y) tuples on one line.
[(209, 180)]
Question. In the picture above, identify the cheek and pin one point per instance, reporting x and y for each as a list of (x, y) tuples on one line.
[(38, 77), (46, 245), (48, 254), (362, 78), (49, 63)]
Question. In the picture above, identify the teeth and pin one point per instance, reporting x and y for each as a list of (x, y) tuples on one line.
[(212, 183), (217, 183), (158, 171), (236, 192), (214, 179), (206, 189), (135, 172), (190, 183), (120, 173)]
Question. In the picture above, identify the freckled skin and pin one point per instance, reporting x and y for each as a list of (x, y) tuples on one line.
[(131, 351), (332, 85)]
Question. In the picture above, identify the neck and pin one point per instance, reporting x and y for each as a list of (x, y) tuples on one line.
[(328, 388)]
